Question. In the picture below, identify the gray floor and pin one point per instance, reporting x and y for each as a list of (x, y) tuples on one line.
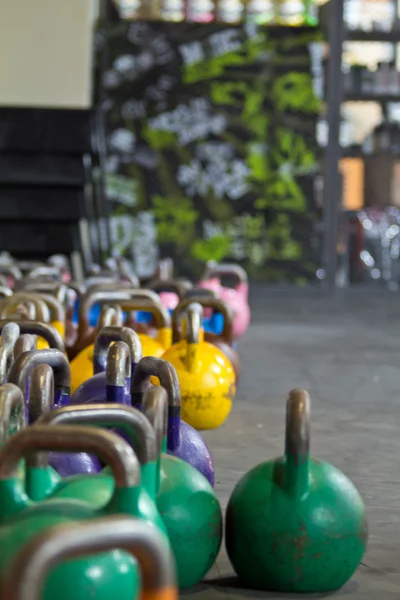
[(346, 352)]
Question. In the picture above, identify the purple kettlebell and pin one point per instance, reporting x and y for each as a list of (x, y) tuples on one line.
[(41, 402), (94, 389), (183, 440)]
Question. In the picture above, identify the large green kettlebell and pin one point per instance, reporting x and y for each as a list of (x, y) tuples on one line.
[(111, 574), (31, 567), (295, 524), (186, 501)]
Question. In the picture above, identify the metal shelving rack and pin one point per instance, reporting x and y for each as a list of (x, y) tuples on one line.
[(337, 35)]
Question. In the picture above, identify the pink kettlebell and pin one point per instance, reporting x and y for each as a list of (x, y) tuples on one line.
[(235, 297)]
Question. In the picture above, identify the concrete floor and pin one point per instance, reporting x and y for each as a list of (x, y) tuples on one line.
[(346, 352)]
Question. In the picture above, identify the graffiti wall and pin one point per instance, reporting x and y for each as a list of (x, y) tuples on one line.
[(211, 146)]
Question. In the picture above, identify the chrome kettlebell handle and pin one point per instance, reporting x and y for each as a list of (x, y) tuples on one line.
[(194, 318), (23, 365), (168, 285), (206, 301), (24, 343), (5, 292), (114, 295), (297, 436), (41, 392), (132, 421), (110, 316), (108, 446), (32, 565), (107, 336), (9, 337), (11, 401), (44, 330), (42, 312), (148, 367), (155, 407), (215, 269), (297, 442), (118, 368)]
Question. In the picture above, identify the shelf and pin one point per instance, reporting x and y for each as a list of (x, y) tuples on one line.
[(364, 155), (372, 36), (382, 98)]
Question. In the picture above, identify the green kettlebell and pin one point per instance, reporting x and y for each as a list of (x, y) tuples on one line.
[(295, 524), (97, 489), (34, 563), (109, 574), (187, 503)]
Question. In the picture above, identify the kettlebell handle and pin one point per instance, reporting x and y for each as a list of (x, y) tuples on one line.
[(142, 435), (41, 392), (11, 270), (149, 367), (149, 301), (116, 296), (108, 335), (9, 337), (11, 401), (108, 446), (165, 269), (24, 343), (110, 316), (54, 288), (42, 312), (54, 306), (206, 301), (28, 571), (168, 285), (118, 368), (44, 330), (155, 407), (24, 310), (5, 292), (23, 365), (193, 317), (215, 269), (44, 271), (297, 441)]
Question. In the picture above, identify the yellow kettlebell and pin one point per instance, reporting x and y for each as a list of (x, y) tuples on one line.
[(206, 376), (82, 364)]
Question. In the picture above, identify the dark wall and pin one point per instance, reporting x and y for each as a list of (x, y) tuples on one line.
[(211, 143)]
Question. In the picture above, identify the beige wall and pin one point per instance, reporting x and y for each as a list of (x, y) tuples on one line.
[(46, 52)]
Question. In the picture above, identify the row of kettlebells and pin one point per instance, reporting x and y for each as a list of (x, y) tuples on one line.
[(207, 364), (64, 468), (292, 524)]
